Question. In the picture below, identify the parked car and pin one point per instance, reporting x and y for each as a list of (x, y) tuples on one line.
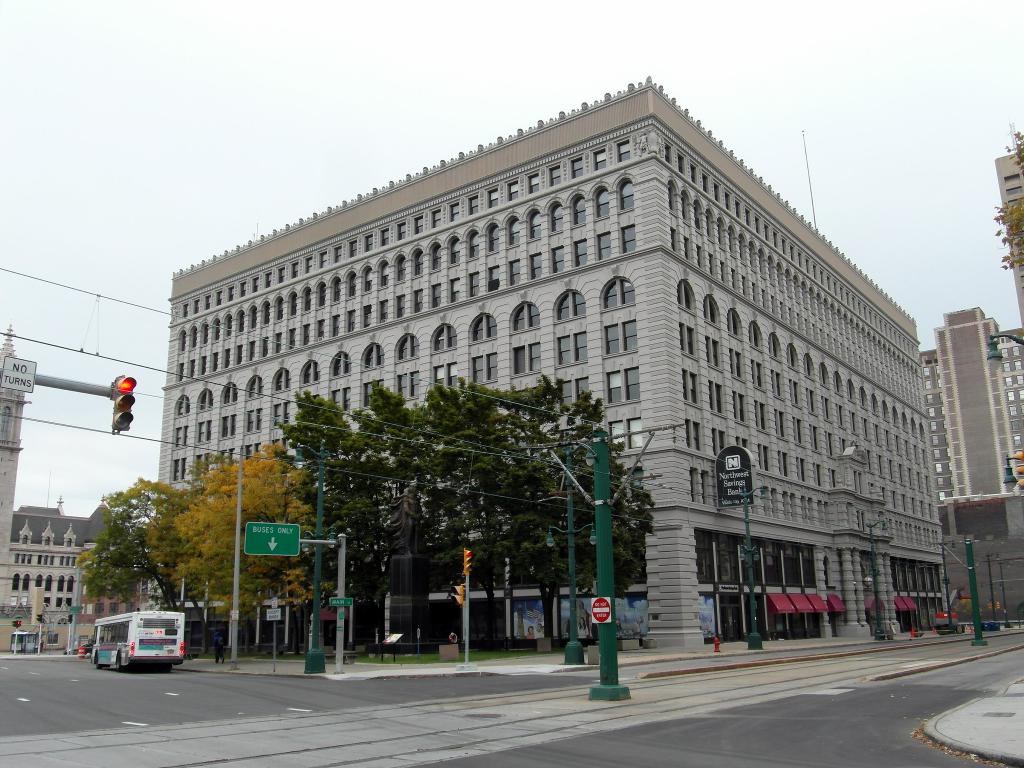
[(990, 626)]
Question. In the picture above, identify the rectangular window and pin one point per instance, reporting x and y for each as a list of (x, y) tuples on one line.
[(474, 204), (533, 183), (417, 225), (686, 339), (400, 306), (557, 260), (629, 342), (382, 310), (513, 272), (453, 211), (402, 227), (604, 245), (689, 386), (628, 239), (435, 218), (368, 243), (367, 315), (564, 350), (417, 300), (579, 253), (492, 197), (622, 148), (580, 346), (600, 159), (554, 175), (512, 190), (575, 167), (535, 266), (453, 290), (612, 344), (518, 360), (493, 278), (474, 283), (435, 295), (613, 387), (492, 366), (385, 236), (632, 383)]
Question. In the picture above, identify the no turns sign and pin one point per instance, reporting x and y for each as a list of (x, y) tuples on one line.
[(601, 609)]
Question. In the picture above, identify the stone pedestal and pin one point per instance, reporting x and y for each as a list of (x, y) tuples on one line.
[(409, 596)]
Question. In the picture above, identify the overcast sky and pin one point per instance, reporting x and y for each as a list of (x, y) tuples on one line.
[(138, 138)]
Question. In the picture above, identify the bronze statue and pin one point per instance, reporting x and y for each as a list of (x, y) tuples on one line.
[(405, 516)]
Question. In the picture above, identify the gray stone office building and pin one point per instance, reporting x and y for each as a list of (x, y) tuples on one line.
[(623, 249)]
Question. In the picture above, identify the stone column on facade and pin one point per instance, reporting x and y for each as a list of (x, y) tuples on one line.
[(858, 585), (888, 592), (846, 585), (821, 580), (672, 586)]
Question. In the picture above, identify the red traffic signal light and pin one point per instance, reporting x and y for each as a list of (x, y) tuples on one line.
[(17, 623), (121, 390), (467, 561)]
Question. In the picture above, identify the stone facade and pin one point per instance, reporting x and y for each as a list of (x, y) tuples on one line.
[(622, 249)]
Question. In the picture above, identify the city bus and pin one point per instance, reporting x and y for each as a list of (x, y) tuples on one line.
[(144, 638)]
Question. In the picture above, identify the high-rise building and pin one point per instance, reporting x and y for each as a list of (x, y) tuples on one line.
[(623, 249), (1011, 190), (975, 408)]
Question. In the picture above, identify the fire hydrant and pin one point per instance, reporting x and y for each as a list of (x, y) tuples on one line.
[(913, 632), (718, 644)]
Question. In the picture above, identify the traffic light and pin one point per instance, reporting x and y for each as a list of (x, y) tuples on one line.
[(467, 562), (457, 593), (39, 618), (17, 623), (121, 393)]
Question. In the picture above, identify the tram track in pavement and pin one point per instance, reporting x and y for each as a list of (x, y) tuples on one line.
[(499, 721)]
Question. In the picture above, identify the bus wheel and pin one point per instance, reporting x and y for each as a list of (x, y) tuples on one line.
[(96, 659), (166, 667)]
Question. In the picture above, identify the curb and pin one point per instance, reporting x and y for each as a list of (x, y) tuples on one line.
[(971, 749), (943, 664)]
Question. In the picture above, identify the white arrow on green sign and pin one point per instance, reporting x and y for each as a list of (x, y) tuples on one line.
[(341, 602), (278, 539)]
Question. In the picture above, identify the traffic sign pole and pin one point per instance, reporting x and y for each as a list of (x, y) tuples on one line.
[(234, 583), (339, 629)]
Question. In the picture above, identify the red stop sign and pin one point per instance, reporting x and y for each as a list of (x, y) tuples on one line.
[(601, 610)]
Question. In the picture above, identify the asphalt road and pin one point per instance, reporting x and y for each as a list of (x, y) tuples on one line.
[(64, 694), (822, 712)]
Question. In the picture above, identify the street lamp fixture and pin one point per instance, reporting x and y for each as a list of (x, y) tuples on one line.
[(749, 555)]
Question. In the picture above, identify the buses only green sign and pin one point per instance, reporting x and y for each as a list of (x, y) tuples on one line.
[(278, 539)]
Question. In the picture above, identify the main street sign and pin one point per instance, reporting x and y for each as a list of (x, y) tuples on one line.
[(278, 539), (341, 602), (18, 374), (733, 475)]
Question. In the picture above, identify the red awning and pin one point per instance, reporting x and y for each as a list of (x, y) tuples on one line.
[(328, 614), (800, 601), (905, 603), (780, 604), (817, 603), (835, 603)]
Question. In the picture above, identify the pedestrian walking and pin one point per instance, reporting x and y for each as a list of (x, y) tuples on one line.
[(218, 648)]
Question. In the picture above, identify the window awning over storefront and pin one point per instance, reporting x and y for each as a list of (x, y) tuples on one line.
[(817, 603), (905, 603), (869, 603), (835, 603), (801, 603), (780, 604)]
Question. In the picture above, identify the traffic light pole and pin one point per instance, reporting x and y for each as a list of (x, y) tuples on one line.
[(991, 587)]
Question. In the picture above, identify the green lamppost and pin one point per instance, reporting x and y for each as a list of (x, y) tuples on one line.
[(315, 662), (972, 579), (573, 648), (879, 632), (750, 554), (609, 688)]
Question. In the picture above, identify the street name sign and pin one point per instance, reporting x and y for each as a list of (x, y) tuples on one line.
[(733, 475), (601, 610), (273, 614), (278, 539), (18, 374), (341, 602), (73, 609)]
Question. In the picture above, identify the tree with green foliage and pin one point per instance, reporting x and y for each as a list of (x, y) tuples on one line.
[(139, 543), (1010, 217)]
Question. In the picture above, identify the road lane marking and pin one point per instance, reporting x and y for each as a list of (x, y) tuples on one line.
[(828, 692), (129, 722), (920, 663), (168, 693), (296, 709), (21, 699), (34, 673)]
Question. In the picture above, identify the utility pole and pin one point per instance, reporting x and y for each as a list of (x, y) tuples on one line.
[(1002, 583), (234, 583), (972, 578), (991, 586)]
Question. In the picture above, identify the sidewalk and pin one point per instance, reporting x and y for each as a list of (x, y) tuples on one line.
[(990, 728), (531, 663)]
